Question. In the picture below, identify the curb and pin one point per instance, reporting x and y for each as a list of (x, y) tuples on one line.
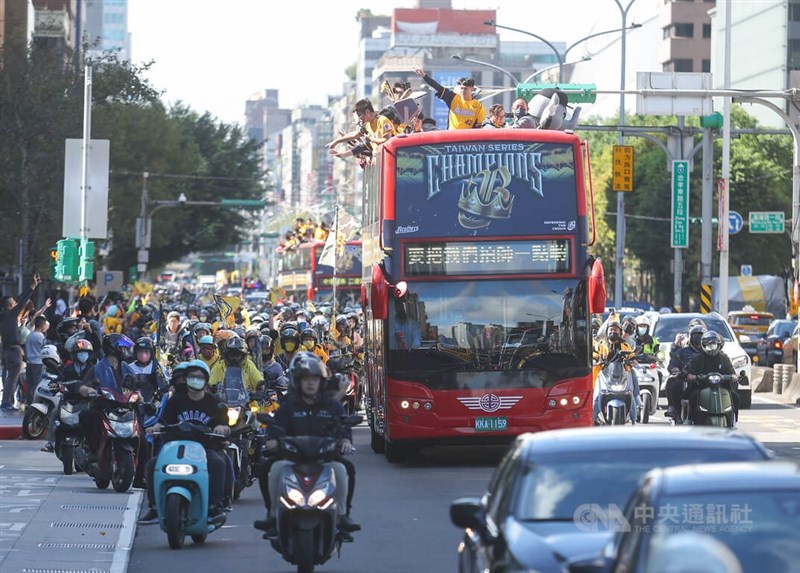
[(10, 432)]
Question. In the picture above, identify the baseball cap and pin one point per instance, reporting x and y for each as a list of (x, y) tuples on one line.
[(466, 82)]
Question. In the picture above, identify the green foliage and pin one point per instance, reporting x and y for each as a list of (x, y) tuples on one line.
[(760, 180), (41, 105)]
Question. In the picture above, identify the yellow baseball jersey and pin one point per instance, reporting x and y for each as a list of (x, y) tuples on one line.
[(380, 127), (465, 114)]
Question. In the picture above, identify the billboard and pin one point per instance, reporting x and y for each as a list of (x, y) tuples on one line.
[(476, 189)]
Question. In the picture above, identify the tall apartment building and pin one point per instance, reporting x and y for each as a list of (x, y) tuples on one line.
[(686, 46), (107, 27), (374, 39)]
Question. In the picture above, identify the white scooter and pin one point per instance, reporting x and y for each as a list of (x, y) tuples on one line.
[(615, 390), (46, 397)]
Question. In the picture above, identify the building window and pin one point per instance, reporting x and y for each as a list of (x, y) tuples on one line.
[(794, 12), (679, 65), (706, 66), (793, 59), (706, 30), (685, 30)]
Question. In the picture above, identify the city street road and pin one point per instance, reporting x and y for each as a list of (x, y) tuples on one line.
[(403, 508)]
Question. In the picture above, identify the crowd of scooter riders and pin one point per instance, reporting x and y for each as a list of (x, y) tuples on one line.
[(170, 363), (622, 347)]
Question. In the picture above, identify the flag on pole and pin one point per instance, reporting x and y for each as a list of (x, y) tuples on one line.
[(344, 229), (227, 305), (187, 297)]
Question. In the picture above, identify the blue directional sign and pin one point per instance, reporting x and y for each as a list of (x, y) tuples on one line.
[(736, 222), (746, 271)]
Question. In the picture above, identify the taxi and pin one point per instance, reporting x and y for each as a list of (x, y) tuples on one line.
[(750, 327)]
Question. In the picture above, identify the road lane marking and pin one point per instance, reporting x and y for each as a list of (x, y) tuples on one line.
[(123, 551)]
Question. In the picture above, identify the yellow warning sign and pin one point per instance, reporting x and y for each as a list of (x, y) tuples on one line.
[(622, 179)]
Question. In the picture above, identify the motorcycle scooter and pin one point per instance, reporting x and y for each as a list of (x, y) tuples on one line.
[(116, 458), (243, 427), (68, 433), (714, 400), (46, 398), (615, 388), (180, 483), (306, 516), (649, 385)]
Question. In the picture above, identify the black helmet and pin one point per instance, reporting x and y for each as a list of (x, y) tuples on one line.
[(613, 324), (267, 344), (144, 343), (307, 364), (117, 345), (341, 321), (696, 334), (234, 345), (711, 343), (307, 334), (289, 332)]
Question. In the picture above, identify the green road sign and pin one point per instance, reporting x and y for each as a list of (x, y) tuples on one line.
[(244, 203), (680, 205), (767, 222), (577, 93)]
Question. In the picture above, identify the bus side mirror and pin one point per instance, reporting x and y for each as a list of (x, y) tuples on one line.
[(597, 288), (379, 294)]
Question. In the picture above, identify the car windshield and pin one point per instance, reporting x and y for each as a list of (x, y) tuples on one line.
[(555, 487), (668, 327), (760, 527)]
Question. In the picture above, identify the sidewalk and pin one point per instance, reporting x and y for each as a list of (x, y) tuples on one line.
[(11, 426), (53, 522)]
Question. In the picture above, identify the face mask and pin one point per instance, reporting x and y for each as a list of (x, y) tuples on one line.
[(642, 330), (289, 346), (695, 340), (195, 383), (614, 336), (519, 112), (309, 344), (82, 357)]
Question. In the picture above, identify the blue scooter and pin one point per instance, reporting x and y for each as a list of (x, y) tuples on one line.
[(181, 483)]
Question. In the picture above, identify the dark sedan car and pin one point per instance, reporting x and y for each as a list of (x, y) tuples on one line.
[(542, 505), (771, 351), (734, 512)]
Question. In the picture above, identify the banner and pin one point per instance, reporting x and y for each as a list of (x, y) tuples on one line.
[(227, 305)]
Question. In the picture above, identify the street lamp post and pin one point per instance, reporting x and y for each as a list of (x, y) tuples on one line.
[(561, 56), (487, 64)]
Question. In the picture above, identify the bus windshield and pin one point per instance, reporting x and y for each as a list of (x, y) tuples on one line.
[(489, 334)]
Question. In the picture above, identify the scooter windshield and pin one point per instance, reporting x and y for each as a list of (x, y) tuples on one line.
[(235, 394)]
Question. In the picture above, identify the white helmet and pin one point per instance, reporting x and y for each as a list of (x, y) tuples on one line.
[(642, 320), (51, 352)]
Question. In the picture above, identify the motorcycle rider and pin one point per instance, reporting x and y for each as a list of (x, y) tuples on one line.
[(109, 373), (679, 359), (711, 359), (645, 343), (191, 403), (308, 338), (82, 355), (209, 353), (145, 366), (252, 339), (234, 354), (607, 350), (289, 340), (308, 411), (273, 372)]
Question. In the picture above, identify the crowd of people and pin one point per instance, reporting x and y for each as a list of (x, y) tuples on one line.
[(304, 231), (404, 116), (181, 353)]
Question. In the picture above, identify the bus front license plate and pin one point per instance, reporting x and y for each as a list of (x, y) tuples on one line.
[(491, 424)]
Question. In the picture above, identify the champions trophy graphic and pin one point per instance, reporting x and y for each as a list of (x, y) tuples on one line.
[(484, 198)]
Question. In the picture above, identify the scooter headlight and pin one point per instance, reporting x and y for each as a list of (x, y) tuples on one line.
[(122, 429), (233, 415), (296, 496), (715, 380), (178, 469), (319, 498), (618, 387)]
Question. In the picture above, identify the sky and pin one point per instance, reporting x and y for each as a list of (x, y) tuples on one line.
[(215, 54)]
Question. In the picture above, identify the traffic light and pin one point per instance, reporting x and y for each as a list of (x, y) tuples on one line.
[(86, 266), (713, 121), (53, 261), (67, 263)]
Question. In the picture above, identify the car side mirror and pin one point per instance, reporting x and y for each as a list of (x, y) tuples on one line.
[(468, 513), (593, 565), (745, 338)]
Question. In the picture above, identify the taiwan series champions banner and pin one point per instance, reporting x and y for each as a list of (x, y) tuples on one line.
[(486, 189)]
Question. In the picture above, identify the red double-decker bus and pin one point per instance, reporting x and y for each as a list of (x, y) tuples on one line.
[(302, 277), (476, 287)]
